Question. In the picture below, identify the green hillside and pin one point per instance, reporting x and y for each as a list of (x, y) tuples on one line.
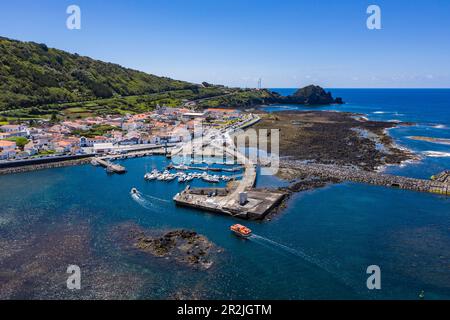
[(41, 82), (32, 74)]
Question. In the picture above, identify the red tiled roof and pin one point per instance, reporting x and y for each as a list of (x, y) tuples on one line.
[(5, 143)]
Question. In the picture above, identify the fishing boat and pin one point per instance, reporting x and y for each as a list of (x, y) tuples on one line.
[(241, 231)]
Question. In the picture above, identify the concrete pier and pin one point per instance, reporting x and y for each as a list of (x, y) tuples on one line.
[(113, 168), (221, 200)]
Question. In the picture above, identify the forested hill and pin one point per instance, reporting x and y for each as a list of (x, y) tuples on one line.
[(32, 74)]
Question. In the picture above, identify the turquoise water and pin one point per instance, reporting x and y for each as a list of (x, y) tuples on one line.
[(318, 248)]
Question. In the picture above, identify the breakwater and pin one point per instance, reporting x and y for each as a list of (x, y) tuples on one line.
[(362, 176), (44, 165)]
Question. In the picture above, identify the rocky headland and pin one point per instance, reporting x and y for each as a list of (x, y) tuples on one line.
[(311, 95)]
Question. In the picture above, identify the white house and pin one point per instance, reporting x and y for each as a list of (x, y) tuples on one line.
[(13, 128), (89, 142), (7, 149), (103, 147)]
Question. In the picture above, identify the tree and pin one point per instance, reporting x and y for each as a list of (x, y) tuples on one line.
[(20, 141), (54, 118)]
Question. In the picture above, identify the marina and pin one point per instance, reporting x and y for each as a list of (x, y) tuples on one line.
[(181, 176)]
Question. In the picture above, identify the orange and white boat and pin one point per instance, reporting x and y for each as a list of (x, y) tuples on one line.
[(241, 230)]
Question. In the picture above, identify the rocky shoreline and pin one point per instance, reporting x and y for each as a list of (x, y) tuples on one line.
[(335, 138)]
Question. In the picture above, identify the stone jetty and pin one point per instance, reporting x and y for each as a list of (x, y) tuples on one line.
[(41, 166), (443, 177), (357, 175)]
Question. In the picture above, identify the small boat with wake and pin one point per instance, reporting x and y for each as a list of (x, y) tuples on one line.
[(241, 231), (134, 191)]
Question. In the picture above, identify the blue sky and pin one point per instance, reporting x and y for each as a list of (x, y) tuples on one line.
[(288, 43)]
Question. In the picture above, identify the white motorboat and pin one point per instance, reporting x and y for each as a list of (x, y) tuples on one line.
[(209, 178), (169, 177), (151, 176)]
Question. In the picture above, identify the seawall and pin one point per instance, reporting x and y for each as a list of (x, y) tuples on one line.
[(42, 163)]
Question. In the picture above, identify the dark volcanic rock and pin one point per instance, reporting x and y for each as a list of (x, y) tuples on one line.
[(183, 246), (312, 95), (334, 138)]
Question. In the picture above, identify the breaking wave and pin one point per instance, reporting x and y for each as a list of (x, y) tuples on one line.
[(436, 154)]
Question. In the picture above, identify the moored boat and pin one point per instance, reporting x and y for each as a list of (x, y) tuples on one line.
[(170, 177), (211, 179)]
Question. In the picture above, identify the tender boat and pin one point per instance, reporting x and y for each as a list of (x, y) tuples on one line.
[(241, 231), (134, 191)]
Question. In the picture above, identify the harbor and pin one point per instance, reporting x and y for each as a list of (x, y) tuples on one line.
[(239, 198)]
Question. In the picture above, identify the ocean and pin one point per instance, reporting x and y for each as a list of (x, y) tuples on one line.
[(319, 247)]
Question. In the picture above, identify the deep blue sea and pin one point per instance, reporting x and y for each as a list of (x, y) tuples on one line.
[(318, 248)]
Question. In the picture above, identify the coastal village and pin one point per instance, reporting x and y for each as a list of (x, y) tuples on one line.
[(99, 135)]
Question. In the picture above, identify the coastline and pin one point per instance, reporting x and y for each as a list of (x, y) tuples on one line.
[(415, 157), (336, 138)]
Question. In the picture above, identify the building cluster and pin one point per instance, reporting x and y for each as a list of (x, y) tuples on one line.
[(105, 134)]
